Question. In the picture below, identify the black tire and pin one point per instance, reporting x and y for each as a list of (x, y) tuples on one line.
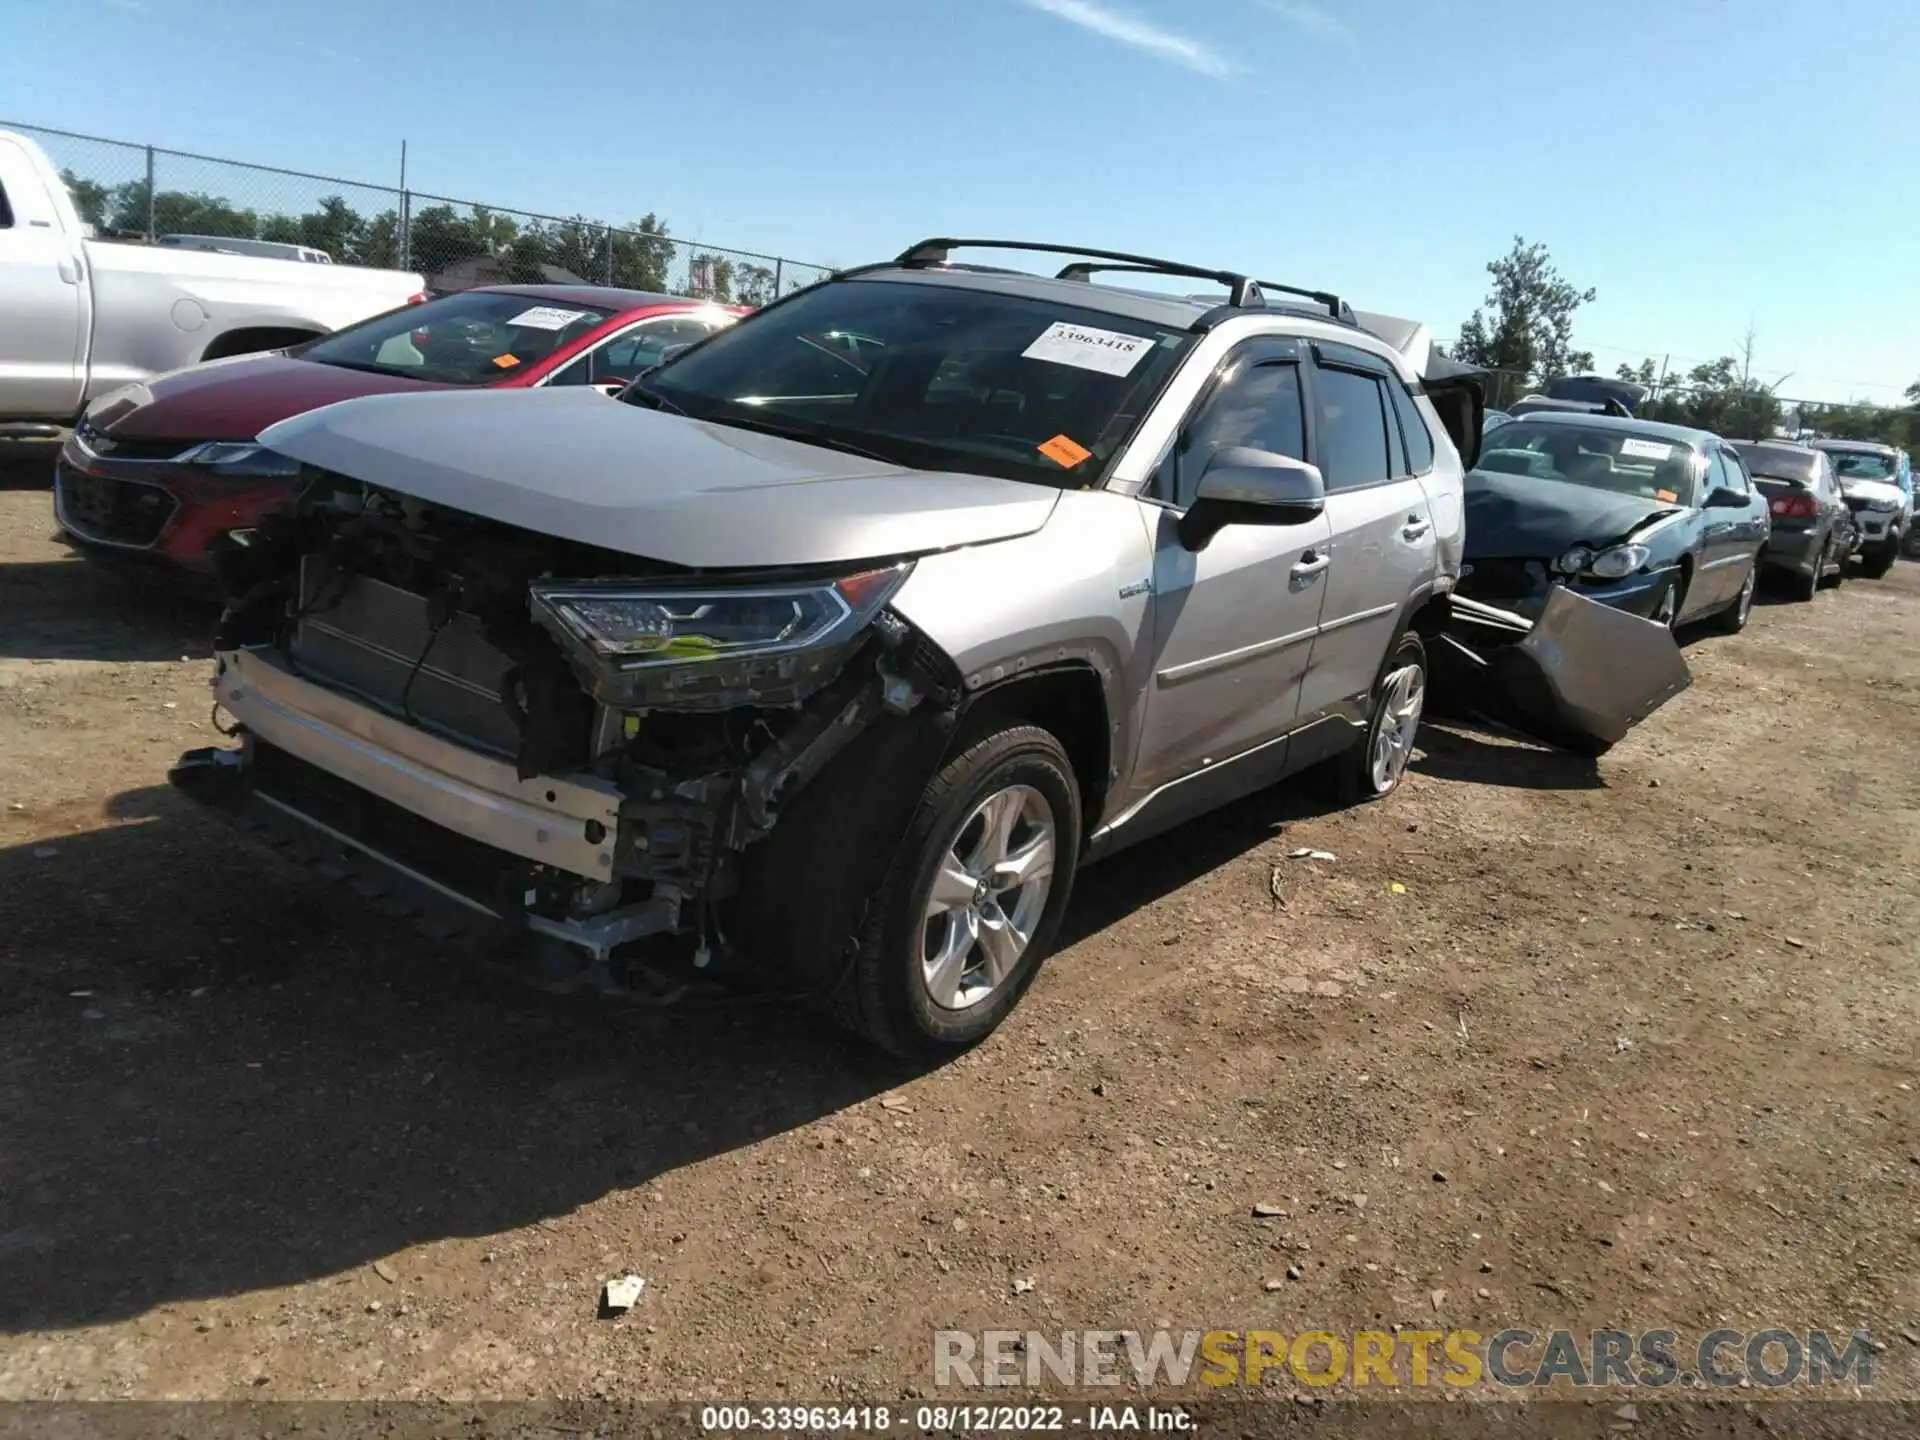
[(1875, 563), (1353, 773), (1839, 577), (1733, 619), (884, 996)]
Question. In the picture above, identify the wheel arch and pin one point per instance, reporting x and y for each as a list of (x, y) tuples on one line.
[(251, 339), (1069, 700)]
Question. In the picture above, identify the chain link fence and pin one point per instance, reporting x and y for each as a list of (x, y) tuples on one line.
[(146, 194)]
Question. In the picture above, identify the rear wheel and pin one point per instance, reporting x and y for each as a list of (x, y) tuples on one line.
[(1375, 767), (1805, 587), (1733, 619)]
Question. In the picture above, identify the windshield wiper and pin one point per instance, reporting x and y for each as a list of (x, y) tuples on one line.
[(637, 393), (805, 437)]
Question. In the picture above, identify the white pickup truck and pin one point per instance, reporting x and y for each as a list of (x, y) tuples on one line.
[(80, 317)]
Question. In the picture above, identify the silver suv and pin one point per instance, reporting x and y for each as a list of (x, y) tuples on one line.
[(840, 642)]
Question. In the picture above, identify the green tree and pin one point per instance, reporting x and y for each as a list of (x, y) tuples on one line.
[(753, 284), (335, 227), (643, 254), (1525, 325), (90, 198), (439, 236), (179, 212)]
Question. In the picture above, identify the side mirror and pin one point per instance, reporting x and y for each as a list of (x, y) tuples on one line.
[(1722, 497), (1244, 486)]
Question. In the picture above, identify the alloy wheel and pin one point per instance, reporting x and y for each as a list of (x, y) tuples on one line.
[(1402, 698), (988, 894), (1667, 612)]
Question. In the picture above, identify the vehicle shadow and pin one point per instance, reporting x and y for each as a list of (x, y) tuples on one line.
[(71, 609), (219, 1073), (27, 464), (1461, 750), (1133, 879)]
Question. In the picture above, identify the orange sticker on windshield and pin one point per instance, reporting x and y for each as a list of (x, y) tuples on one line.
[(1064, 450), (1667, 495), (506, 362)]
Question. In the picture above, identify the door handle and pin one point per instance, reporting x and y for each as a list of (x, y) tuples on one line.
[(1416, 526), (1311, 564), (69, 271)]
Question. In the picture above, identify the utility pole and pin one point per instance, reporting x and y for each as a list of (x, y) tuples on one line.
[(403, 215)]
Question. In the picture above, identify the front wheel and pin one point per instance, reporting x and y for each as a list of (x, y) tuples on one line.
[(1875, 563), (971, 902), (1667, 611)]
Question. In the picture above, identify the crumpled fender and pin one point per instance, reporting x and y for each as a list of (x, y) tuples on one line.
[(1579, 678)]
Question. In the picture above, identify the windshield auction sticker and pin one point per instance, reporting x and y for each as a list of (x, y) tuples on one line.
[(548, 317), (1087, 348), (1646, 449)]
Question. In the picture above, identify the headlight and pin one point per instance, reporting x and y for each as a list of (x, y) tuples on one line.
[(711, 646), (241, 458), (1574, 561), (1883, 505), (1618, 563)]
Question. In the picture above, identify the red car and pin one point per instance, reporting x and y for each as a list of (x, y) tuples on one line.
[(156, 470)]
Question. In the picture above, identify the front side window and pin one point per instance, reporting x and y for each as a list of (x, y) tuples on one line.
[(1736, 472), (478, 337), (1255, 404), (932, 377), (1413, 426), (1647, 466), (1353, 429)]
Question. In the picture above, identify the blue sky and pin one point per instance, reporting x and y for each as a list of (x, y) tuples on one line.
[(1706, 164)]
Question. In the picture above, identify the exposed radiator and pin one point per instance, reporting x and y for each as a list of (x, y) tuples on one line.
[(365, 636)]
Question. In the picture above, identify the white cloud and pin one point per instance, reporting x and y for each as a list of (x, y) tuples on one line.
[(1314, 21), (1141, 35)]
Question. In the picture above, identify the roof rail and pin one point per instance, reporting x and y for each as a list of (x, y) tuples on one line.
[(1243, 291)]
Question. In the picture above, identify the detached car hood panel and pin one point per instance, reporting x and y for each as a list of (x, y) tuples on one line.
[(1882, 490), (1516, 517), (577, 465)]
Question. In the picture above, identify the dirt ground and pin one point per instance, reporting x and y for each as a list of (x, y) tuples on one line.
[(1548, 1043)]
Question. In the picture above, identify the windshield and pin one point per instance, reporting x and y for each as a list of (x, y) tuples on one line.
[(477, 337), (1602, 459), (931, 377), (1864, 465)]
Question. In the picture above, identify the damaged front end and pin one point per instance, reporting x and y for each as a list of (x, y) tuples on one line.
[(1578, 676), (496, 730)]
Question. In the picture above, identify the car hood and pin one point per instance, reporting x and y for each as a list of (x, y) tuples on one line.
[(577, 465), (1513, 517), (1884, 490), (236, 399)]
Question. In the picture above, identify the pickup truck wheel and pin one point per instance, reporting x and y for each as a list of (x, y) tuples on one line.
[(969, 907)]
